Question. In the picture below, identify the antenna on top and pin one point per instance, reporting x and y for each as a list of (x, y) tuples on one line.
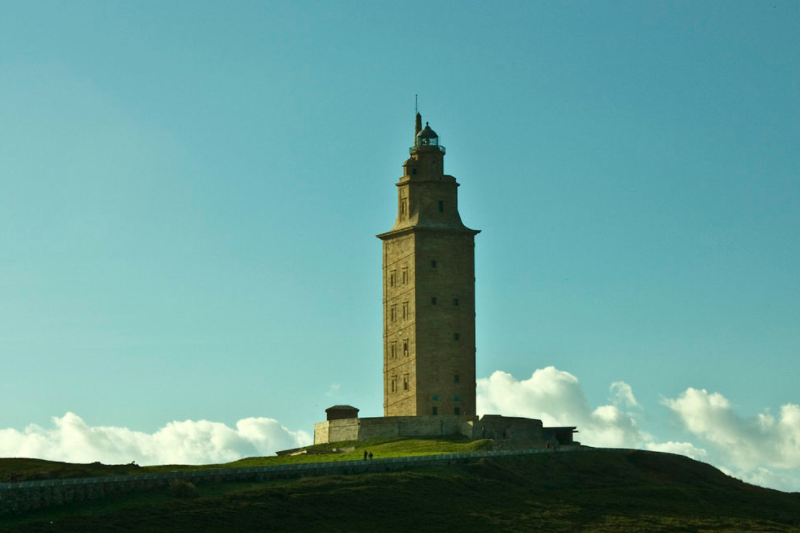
[(416, 103)]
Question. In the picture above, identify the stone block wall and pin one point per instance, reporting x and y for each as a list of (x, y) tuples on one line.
[(507, 431), (392, 426), (337, 430), (445, 323), (399, 331), (510, 428)]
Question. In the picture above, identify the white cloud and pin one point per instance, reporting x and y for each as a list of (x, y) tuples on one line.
[(765, 477), (763, 450), (71, 439), (556, 397), (762, 441), (622, 394), (681, 448)]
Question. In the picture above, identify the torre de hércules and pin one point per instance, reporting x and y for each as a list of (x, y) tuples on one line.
[(429, 321)]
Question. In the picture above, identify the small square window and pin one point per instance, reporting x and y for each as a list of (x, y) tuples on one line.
[(433, 301), (455, 336), (455, 378), (457, 411), (441, 206), (435, 410), (433, 263), (455, 302)]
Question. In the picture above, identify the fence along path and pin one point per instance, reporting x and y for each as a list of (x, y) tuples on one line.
[(26, 495)]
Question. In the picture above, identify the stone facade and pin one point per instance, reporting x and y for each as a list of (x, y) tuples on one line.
[(428, 292), (358, 429), (505, 431)]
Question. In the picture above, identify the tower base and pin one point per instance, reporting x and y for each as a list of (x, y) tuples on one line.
[(513, 432)]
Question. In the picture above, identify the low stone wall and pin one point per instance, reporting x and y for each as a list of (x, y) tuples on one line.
[(526, 432), (413, 426), (30, 495), (392, 426), (512, 428)]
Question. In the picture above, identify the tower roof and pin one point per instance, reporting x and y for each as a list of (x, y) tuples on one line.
[(427, 133)]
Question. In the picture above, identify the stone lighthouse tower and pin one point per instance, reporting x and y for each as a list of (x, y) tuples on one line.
[(428, 292)]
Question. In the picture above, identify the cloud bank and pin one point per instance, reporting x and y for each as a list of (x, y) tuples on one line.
[(71, 439), (764, 450), (556, 397), (755, 448)]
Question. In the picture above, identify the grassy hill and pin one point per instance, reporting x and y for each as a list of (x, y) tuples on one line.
[(599, 490), (36, 469)]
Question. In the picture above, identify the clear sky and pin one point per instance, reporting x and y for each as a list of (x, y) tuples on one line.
[(190, 193)]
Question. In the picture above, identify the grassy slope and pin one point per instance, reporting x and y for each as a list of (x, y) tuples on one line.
[(600, 490), (34, 469)]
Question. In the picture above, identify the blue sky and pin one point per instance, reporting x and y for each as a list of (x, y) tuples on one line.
[(191, 193)]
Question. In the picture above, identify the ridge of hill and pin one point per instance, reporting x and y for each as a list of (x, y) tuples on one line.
[(598, 490), (23, 469)]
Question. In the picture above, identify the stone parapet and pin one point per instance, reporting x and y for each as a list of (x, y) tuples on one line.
[(513, 431), (359, 429)]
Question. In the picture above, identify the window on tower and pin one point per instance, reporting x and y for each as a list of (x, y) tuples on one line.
[(433, 301), (394, 350), (392, 278), (433, 263), (405, 275), (457, 411), (455, 378), (441, 206), (405, 382), (394, 383), (405, 347), (455, 336), (435, 410), (405, 310), (394, 313), (455, 302)]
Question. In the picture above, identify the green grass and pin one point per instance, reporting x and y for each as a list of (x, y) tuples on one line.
[(599, 490), (35, 469)]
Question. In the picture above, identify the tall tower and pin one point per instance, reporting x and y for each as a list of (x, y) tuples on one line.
[(428, 292)]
